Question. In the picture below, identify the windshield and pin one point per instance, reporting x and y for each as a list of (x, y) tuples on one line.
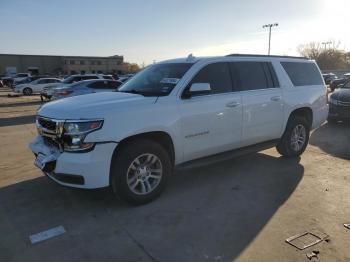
[(156, 80), (35, 81)]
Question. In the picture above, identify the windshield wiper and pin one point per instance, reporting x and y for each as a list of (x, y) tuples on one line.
[(143, 93), (132, 91)]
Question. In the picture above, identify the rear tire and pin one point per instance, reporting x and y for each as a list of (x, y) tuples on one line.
[(139, 171), (27, 91), (295, 138)]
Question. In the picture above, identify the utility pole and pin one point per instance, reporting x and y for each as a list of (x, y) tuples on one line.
[(270, 26), (326, 43)]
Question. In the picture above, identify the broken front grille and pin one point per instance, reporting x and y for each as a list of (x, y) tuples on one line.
[(47, 124), (51, 142), (49, 127)]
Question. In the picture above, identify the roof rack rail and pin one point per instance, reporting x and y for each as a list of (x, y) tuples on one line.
[(277, 56)]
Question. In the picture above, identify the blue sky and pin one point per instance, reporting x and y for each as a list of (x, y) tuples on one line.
[(144, 31)]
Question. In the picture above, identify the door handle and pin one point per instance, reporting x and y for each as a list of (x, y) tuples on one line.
[(233, 104), (276, 98)]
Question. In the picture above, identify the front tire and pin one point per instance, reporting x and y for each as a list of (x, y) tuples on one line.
[(27, 91), (139, 171), (295, 138)]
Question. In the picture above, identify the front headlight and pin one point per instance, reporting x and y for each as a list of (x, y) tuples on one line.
[(74, 133), (333, 101)]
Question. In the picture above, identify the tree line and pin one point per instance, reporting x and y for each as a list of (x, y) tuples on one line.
[(327, 58)]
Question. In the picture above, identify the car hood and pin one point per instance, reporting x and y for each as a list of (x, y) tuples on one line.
[(342, 94), (96, 105)]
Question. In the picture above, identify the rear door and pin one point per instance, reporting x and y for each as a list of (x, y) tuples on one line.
[(262, 101)]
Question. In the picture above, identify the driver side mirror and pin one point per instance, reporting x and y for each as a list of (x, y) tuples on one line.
[(197, 89)]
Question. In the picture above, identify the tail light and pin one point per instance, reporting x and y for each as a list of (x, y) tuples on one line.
[(63, 93)]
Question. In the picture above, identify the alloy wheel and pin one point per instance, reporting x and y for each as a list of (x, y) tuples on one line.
[(298, 137), (144, 174)]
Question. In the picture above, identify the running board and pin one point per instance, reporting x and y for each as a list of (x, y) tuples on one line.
[(208, 160)]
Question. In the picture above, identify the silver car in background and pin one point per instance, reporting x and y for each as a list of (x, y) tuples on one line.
[(86, 87), (48, 91)]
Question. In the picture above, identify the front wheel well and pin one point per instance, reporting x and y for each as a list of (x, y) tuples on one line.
[(160, 137), (305, 112)]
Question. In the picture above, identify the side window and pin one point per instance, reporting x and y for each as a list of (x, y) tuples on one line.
[(99, 85), (76, 79), (303, 74), (217, 75), (89, 77), (252, 75), (42, 81), (107, 77)]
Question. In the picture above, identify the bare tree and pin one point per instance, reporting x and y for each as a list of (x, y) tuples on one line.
[(311, 50), (326, 58)]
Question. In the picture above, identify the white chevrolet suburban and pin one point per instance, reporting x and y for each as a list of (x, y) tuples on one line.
[(179, 113)]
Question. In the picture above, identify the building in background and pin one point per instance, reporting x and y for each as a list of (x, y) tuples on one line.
[(61, 65)]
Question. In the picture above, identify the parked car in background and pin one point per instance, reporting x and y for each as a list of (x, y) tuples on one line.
[(21, 76), (28, 79), (7, 81), (11, 79), (347, 75), (339, 104), (124, 78), (329, 78), (338, 83), (35, 86), (48, 90), (180, 112), (86, 87), (109, 77)]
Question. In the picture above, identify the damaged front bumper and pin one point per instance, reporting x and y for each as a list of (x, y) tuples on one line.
[(81, 170)]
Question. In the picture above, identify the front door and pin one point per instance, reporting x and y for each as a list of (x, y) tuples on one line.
[(211, 123)]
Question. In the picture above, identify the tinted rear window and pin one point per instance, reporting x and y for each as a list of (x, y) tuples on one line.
[(303, 74)]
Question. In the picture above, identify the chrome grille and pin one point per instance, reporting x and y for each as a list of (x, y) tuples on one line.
[(49, 127), (51, 130)]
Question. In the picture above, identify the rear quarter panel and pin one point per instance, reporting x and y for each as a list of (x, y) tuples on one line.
[(313, 96)]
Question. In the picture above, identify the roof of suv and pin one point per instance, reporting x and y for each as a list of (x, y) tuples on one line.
[(193, 59)]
